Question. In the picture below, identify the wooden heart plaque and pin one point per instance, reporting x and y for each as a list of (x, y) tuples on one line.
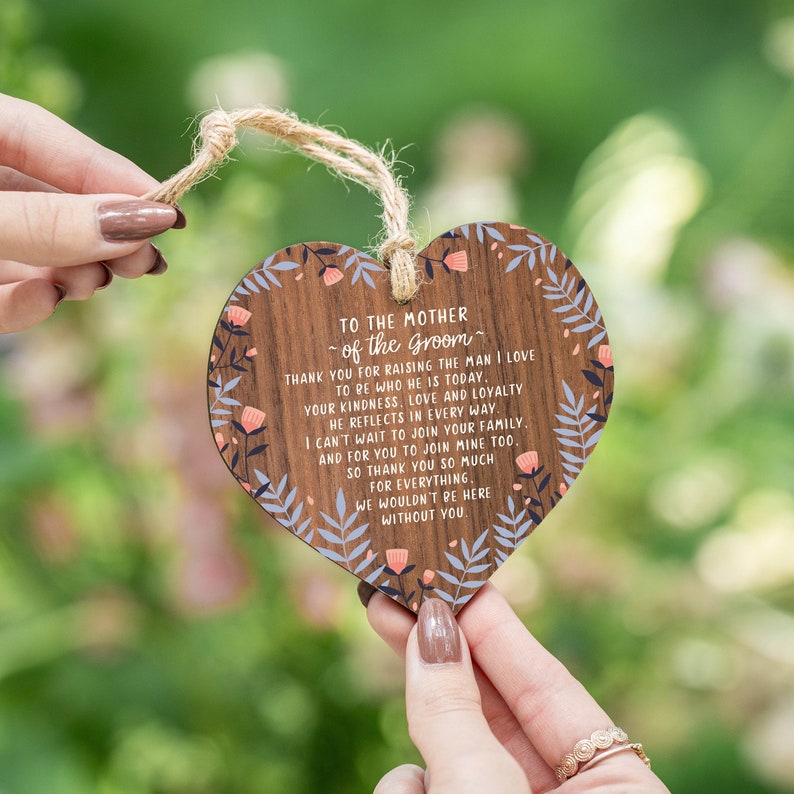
[(415, 446)]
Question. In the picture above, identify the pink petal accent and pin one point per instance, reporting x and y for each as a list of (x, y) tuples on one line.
[(596, 393), (428, 576), (397, 559), (369, 554), (563, 488), (251, 353), (246, 486), (332, 275), (220, 440), (493, 246), (516, 486), (299, 277), (452, 544), (528, 461), (238, 315), (457, 260), (575, 351), (500, 254), (310, 500), (566, 333), (415, 606), (252, 418), (538, 281), (605, 355)]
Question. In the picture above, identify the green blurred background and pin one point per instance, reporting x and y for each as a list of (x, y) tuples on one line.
[(157, 635)]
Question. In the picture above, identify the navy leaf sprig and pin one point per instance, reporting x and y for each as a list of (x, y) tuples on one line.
[(602, 382)]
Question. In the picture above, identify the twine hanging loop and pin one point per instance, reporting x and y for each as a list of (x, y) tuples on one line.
[(345, 157)]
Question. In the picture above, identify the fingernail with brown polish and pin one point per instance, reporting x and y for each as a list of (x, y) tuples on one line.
[(108, 278), (365, 592), (160, 265), (133, 219), (439, 637), (61, 293), (181, 220)]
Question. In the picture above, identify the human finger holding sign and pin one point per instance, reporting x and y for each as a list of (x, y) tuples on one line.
[(70, 216), (493, 711)]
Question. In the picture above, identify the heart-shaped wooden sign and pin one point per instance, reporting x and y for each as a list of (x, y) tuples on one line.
[(415, 446)]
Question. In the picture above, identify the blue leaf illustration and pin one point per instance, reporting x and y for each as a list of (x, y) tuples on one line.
[(467, 567), (578, 437), (511, 538), (345, 539)]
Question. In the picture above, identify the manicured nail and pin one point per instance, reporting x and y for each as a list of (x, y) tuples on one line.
[(181, 220), (439, 638), (365, 591), (61, 293), (108, 278), (160, 265), (133, 219)]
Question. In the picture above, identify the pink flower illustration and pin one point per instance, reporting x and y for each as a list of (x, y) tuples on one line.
[(528, 462), (563, 488), (252, 418), (397, 559), (605, 355), (251, 353), (332, 275), (428, 576), (220, 440), (458, 260), (238, 315)]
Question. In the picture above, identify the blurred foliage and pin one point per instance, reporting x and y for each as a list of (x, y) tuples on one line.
[(157, 635)]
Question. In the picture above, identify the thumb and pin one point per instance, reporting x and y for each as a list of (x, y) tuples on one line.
[(445, 717), (65, 229)]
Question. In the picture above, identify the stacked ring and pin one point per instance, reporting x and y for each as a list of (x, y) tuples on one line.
[(584, 751)]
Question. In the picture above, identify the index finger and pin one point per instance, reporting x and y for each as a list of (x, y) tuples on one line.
[(35, 142)]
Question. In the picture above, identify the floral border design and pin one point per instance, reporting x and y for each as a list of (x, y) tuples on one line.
[(343, 536)]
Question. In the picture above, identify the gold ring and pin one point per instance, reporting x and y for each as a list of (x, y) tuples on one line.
[(585, 749)]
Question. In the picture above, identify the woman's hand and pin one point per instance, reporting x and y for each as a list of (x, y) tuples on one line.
[(491, 710), (70, 216)]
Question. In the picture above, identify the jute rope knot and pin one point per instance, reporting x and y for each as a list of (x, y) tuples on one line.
[(218, 134), (345, 157)]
